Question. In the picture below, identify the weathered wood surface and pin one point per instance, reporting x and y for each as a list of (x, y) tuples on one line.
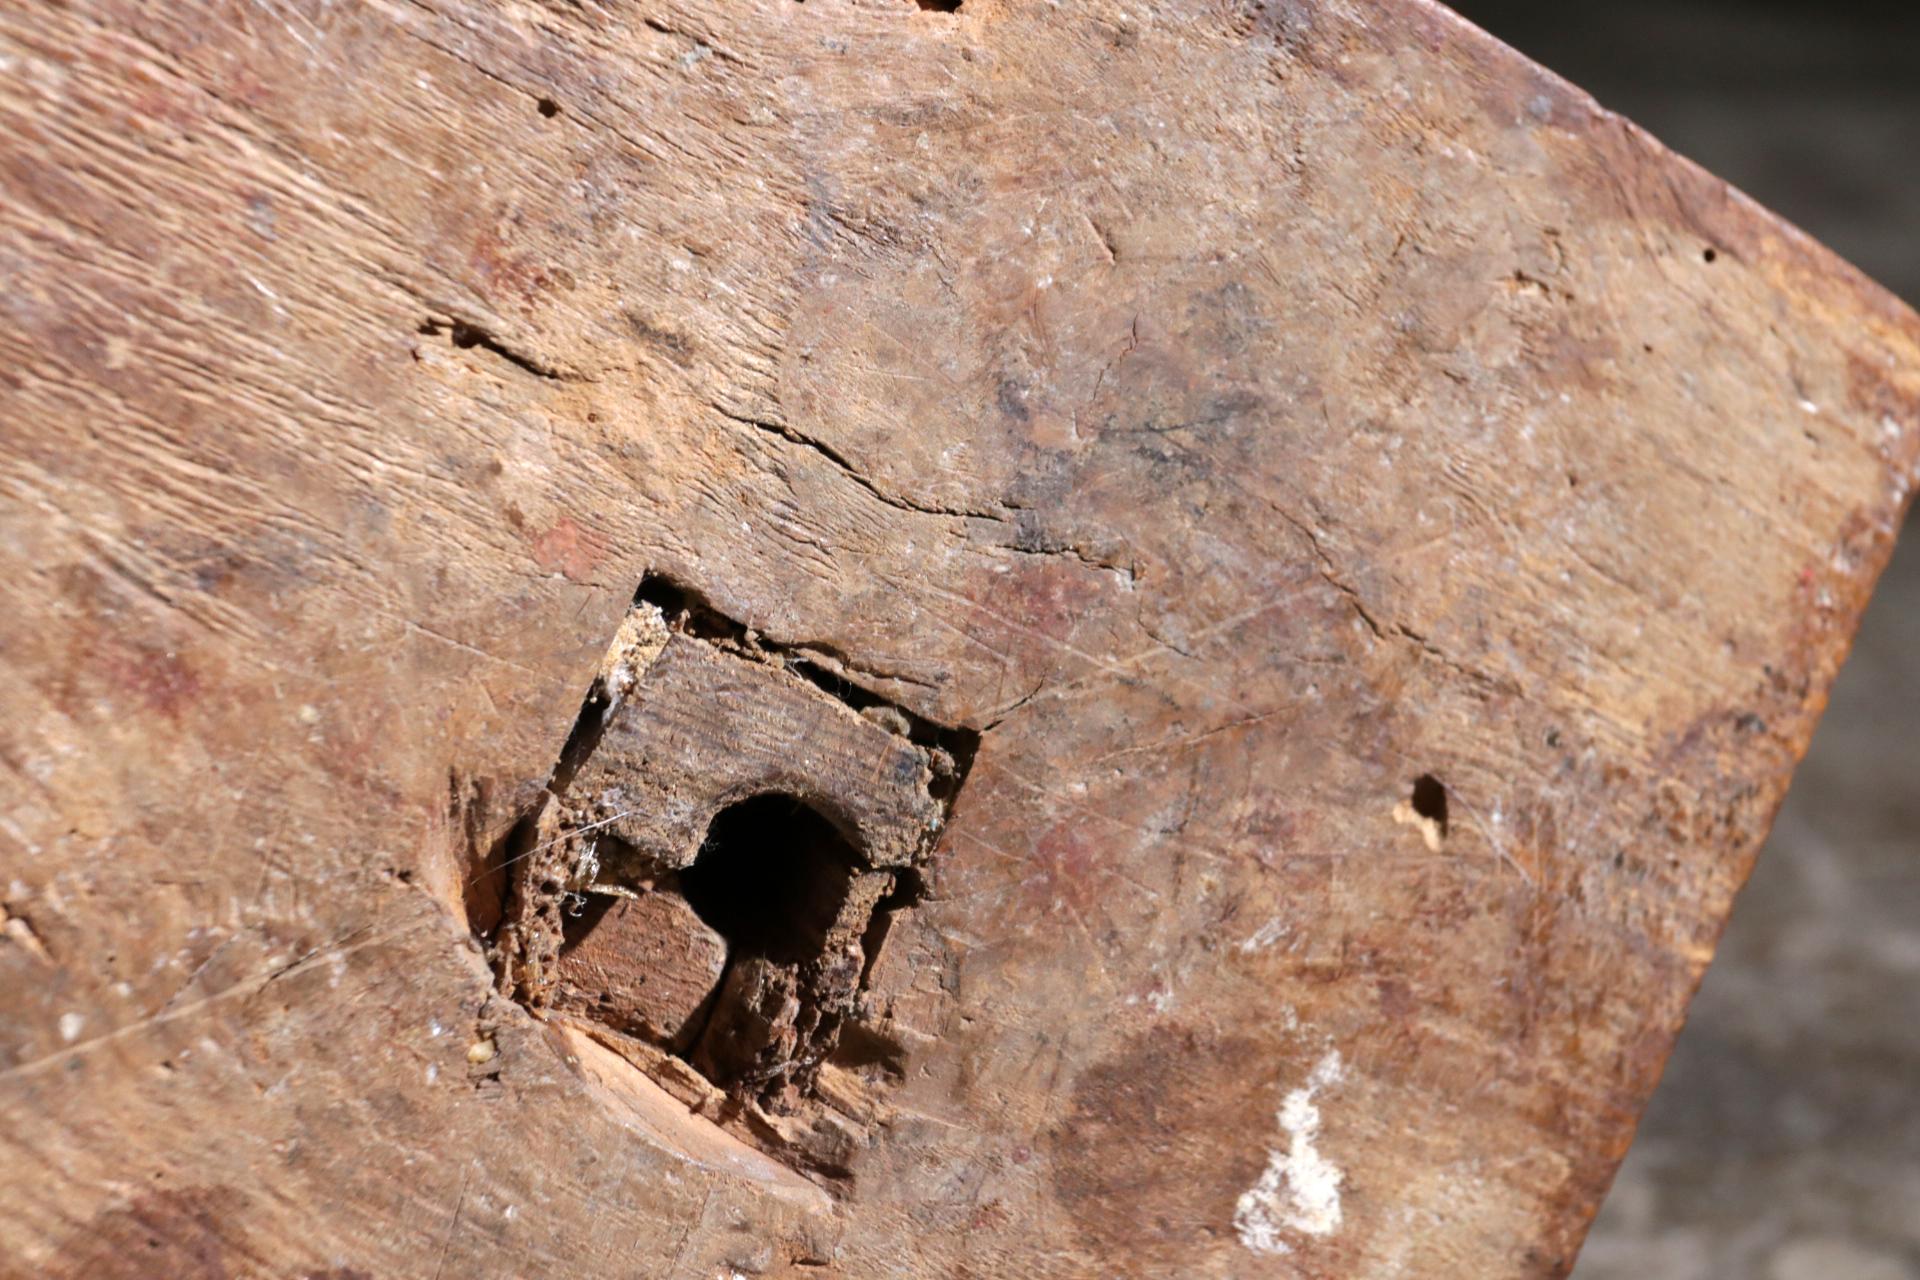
[(1232, 412)]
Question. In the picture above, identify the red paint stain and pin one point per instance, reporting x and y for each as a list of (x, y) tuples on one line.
[(504, 270), (567, 549), (1063, 871), (161, 679)]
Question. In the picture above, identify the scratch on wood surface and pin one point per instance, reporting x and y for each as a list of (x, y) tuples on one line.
[(240, 989), (453, 1223)]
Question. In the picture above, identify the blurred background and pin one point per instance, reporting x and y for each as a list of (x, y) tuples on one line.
[(1784, 1142)]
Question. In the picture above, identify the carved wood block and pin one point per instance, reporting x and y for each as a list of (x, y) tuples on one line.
[(646, 965), (703, 729)]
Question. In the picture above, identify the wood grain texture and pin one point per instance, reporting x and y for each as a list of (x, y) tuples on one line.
[(704, 729), (649, 958), (1232, 411)]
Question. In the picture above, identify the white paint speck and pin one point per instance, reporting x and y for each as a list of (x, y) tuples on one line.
[(1299, 1191), (70, 1025), (1265, 936)]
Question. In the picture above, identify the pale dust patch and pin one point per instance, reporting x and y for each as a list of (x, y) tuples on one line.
[(1265, 936), (640, 639), (1299, 1190)]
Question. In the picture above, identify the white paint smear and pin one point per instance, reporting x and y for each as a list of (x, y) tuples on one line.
[(1265, 936), (1300, 1189)]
